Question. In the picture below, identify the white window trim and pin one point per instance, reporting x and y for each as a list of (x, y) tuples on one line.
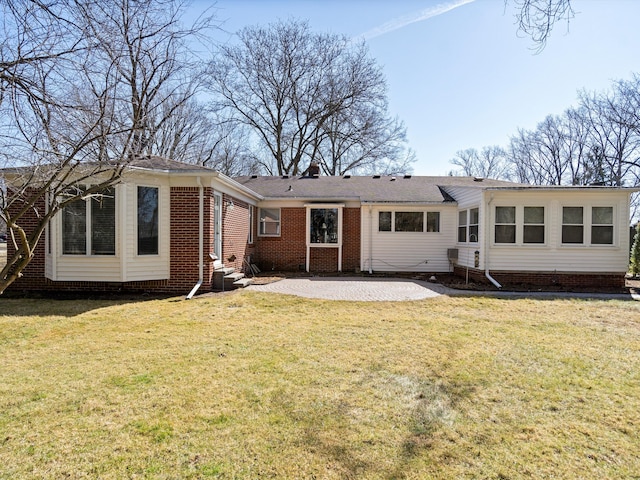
[(587, 223), (279, 222), (135, 221), (424, 222), (88, 232), (468, 226), (251, 239), (519, 223), (338, 245)]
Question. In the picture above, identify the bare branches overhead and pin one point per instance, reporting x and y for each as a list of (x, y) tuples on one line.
[(537, 18), (294, 89)]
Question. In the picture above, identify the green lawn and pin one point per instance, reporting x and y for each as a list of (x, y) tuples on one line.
[(249, 385)]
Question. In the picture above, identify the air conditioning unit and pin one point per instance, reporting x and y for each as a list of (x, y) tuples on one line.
[(452, 254)]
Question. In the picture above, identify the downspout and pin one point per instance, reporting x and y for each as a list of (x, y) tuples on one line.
[(200, 241), (487, 235), (370, 240)]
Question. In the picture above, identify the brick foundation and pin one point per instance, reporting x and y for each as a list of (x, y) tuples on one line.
[(555, 279)]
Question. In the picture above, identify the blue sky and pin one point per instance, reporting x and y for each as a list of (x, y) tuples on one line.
[(458, 74)]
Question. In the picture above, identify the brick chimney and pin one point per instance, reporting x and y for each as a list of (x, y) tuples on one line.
[(314, 169)]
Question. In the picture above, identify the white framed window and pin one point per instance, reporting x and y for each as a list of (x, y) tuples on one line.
[(250, 233), (474, 220), (408, 221), (89, 225), (533, 228), (602, 225), (505, 224), (269, 222), (572, 225), (468, 222), (324, 225), (433, 222), (148, 220)]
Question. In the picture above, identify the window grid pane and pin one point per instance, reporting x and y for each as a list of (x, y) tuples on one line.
[(74, 228), (533, 230), (384, 221), (103, 223), (505, 228), (572, 228), (433, 221), (269, 222)]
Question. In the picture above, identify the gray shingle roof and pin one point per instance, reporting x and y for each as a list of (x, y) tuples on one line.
[(390, 189)]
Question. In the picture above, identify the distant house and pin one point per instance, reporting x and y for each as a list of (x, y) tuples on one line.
[(172, 227)]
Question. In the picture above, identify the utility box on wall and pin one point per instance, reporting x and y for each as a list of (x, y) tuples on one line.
[(452, 255)]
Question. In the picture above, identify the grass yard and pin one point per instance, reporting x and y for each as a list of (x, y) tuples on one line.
[(248, 385)]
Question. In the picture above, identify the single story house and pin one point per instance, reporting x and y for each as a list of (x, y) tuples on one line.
[(173, 227)]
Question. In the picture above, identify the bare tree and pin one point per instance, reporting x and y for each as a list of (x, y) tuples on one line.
[(490, 162), (290, 86), (80, 84), (536, 18)]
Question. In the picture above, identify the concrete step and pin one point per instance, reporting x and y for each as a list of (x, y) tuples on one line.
[(243, 282), (224, 271)]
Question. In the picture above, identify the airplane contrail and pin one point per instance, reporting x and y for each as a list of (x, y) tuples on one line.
[(405, 20)]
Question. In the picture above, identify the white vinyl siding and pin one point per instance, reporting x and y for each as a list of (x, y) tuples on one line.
[(410, 251), (554, 255)]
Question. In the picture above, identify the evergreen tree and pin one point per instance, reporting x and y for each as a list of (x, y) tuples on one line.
[(635, 252)]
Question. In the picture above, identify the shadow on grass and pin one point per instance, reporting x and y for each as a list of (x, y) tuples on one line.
[(66, 304)]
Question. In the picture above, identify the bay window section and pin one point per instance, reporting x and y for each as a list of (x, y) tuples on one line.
[(147, 220), (533, 229), (505, 227), (602, 225), (572, 225)]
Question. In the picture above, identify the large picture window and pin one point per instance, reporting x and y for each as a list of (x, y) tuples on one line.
[(89, 226), (409, 222), (269, 222), (147, 220), (389, 221), (323, 225)]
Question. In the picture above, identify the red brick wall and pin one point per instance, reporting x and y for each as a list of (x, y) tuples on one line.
[(235, 225), (33, 274), (568, 280), (184, 257), (288, 251)]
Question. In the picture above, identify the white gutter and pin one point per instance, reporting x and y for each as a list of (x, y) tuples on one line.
[(487, 236), (200, 241)]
